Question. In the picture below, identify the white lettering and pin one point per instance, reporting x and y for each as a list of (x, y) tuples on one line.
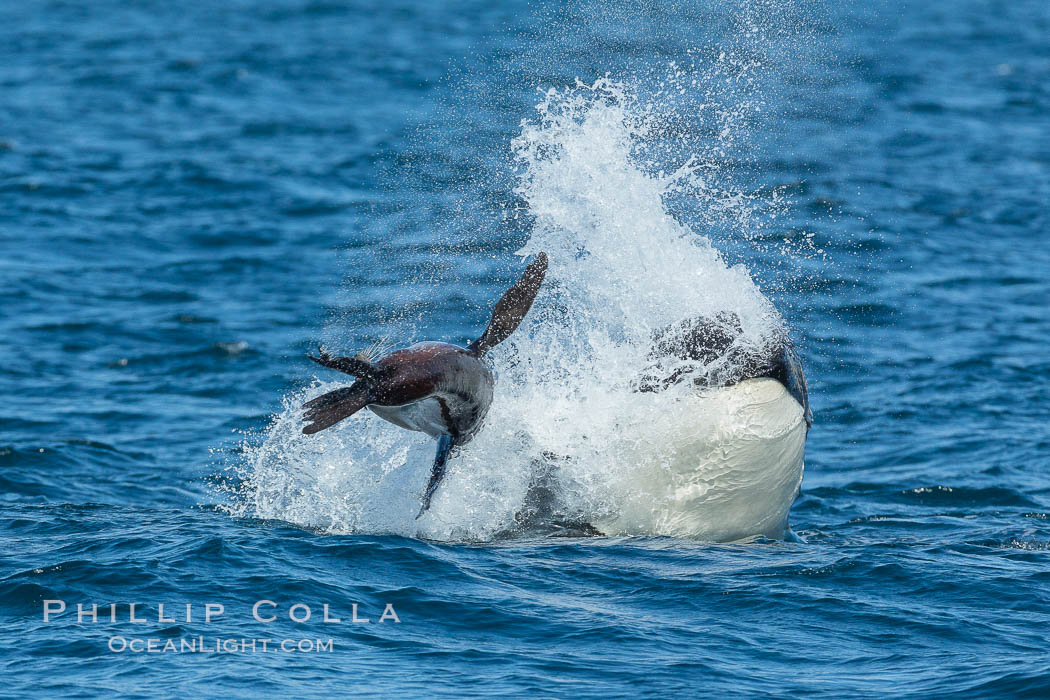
[(291, 612), (213, 610), (81, 614), (390, 614), (49, 608), (255, 611)]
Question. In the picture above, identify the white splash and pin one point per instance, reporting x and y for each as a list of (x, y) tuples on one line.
[(621, 266)]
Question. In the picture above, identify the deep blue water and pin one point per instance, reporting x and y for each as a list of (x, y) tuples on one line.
[(193, 194)]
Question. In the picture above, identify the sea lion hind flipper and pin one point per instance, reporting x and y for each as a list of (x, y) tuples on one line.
[(512, 307), (328, 409), (445, 445)]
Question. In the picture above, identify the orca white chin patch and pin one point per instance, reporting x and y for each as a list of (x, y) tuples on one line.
[(727, 466)]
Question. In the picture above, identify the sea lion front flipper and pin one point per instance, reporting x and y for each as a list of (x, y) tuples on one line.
[(512, 307), (358, 366), (445, 445), (328, 409)]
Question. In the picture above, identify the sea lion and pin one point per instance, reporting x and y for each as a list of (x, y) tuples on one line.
[(436, 388)]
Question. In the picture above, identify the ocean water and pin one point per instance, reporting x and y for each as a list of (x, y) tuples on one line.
[(197, 194)]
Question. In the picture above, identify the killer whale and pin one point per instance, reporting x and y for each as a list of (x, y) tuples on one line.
[(710, 353), (723, 463)]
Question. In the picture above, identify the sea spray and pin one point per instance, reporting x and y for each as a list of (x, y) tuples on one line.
[(566, 404)]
